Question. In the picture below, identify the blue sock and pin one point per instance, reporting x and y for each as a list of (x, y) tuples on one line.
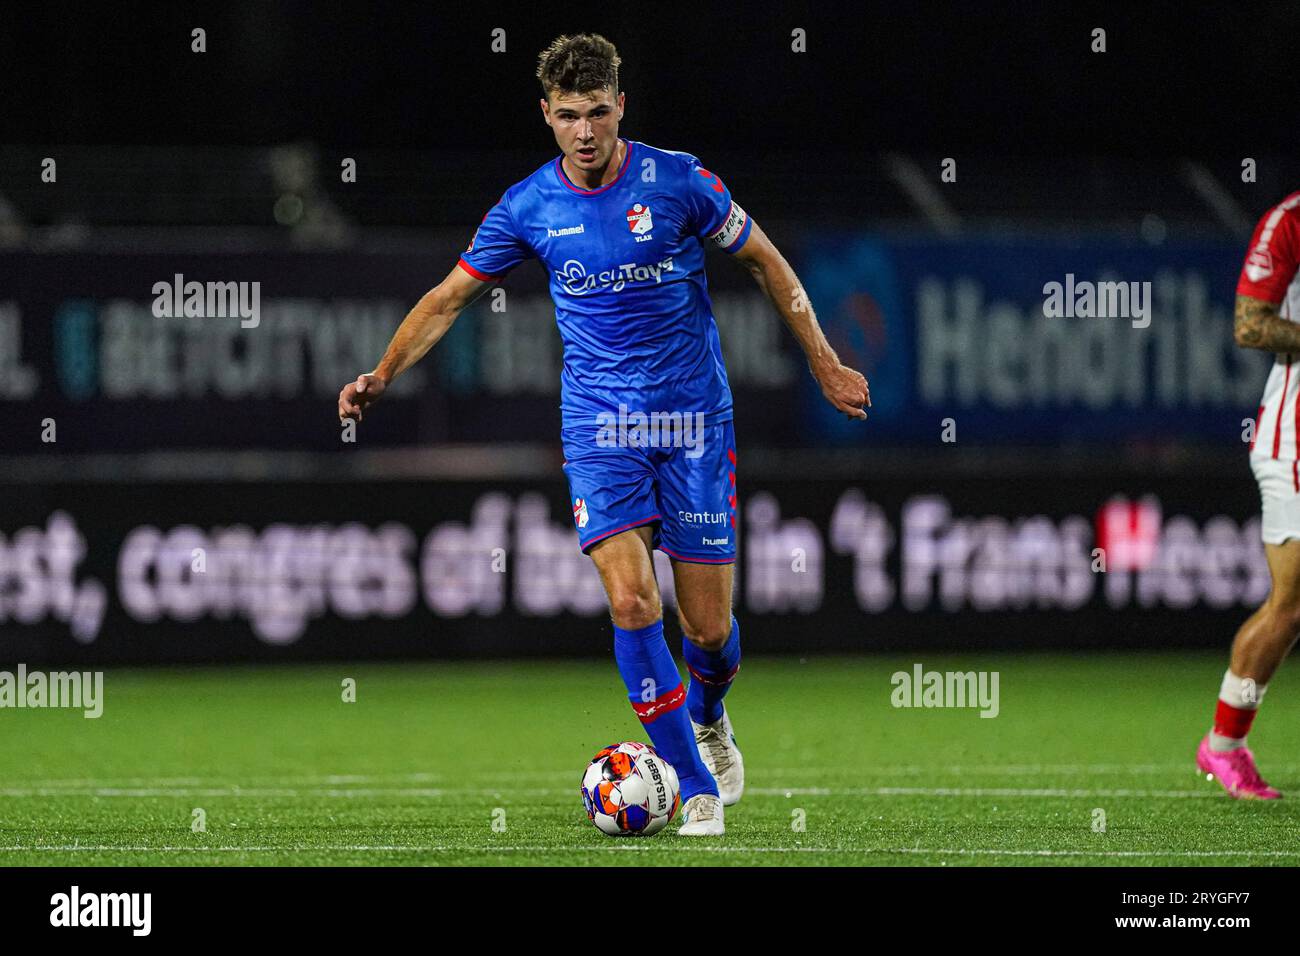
[(711, 675), (655, 689)]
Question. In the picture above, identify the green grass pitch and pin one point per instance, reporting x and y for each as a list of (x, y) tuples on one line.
[(447, 764)]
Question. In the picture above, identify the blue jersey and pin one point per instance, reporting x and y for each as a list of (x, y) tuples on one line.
[(626, 265)]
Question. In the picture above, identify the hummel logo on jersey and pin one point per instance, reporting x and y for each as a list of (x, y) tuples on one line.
[(713, 179), (566, 231), (639, 221)]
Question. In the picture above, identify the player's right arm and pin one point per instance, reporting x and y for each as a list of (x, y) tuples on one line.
[(1258, 324), (497, 247), (420, 331)]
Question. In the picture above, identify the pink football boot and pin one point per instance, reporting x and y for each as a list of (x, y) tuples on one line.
[(1235, 769)]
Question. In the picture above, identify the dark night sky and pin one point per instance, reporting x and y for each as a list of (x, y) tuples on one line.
[(1014, 78)]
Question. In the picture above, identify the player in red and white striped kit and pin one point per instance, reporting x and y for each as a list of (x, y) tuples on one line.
[(1267, 318)]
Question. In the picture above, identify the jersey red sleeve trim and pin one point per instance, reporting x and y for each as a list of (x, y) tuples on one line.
[(1274, 254), (476, 273)]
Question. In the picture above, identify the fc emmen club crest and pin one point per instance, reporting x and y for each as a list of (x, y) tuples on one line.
[(580, 512), (638, 219)]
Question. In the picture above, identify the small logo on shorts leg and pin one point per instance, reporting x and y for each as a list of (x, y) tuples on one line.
[(580, 512)]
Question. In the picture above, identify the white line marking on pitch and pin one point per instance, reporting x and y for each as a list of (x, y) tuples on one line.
[(261, 792), (669, 847), (437, 792), (976, 792)]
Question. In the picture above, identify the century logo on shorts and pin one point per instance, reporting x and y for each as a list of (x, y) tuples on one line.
[(575, 278), (703, 517)]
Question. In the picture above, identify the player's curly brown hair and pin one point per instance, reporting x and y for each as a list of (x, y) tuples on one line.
[(578, 64)]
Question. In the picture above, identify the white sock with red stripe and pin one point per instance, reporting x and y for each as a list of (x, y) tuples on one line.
[(1239, 699)]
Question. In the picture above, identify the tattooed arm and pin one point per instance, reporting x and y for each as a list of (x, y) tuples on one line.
[(1258, 325)]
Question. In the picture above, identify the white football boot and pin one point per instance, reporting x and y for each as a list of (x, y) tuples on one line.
[(718, 750), (701, 816)]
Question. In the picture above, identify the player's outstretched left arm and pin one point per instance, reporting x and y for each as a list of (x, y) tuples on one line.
[(845, 388)]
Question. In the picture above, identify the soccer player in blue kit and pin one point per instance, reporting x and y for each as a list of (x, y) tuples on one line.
[(645, 406)]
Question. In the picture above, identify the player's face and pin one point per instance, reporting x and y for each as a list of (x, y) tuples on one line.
[(585, 126)]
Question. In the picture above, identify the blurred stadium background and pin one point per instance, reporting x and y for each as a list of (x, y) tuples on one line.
[(1002, 449)]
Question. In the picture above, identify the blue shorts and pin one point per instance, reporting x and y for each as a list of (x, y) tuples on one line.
[(687, 490)]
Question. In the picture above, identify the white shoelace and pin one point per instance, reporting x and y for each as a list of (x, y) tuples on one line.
[(714, 741), (707, 806)]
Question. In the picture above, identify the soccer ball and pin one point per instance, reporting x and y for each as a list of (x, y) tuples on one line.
[(629, 790)]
